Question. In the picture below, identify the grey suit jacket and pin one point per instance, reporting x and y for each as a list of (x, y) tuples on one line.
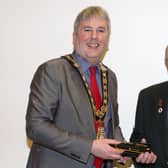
[(59, 117)]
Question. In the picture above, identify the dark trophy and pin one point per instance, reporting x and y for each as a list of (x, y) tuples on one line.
[(132, 149)]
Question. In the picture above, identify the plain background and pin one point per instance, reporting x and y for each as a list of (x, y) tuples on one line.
[(33, 31)]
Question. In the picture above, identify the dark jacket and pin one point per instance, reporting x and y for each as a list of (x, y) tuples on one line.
[(151, 122)]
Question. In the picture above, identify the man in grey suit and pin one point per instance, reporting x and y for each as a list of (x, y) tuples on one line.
[(62, 118)]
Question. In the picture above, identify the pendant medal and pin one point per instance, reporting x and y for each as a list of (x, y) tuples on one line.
[(100, 131)]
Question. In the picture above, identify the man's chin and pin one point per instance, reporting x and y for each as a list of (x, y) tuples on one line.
[(94, 59)]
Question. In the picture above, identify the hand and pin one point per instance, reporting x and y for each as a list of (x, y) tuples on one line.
[(146, 158), (101, 148)]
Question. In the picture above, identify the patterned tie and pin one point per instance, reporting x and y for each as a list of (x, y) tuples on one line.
[(97, 99)]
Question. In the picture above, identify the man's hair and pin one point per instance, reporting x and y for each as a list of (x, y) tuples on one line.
[(90, 12), (166, 57)]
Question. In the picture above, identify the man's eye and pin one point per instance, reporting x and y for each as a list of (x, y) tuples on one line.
[(87, 29), (101, 30)]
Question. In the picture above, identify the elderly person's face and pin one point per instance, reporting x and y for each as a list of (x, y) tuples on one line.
[(91, 39)]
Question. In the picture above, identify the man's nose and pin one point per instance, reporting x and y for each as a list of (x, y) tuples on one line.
[(94, 34)]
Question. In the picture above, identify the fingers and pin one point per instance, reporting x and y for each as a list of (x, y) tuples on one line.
[(102, 149), (146, 158), (111, 141)]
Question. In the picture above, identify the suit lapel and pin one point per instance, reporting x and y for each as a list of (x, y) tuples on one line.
[(112, 100), (82, 104)]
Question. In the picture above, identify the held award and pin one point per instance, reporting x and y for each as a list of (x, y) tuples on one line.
[(132, 149)]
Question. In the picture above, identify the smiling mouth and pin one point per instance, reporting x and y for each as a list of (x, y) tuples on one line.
[(93, 45)]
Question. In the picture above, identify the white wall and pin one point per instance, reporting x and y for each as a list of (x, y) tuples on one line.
[(33, 31)]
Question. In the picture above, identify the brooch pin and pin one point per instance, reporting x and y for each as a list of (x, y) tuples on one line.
[(160, 106)]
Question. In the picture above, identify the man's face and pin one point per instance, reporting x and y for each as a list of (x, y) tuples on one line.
[(91, 39)]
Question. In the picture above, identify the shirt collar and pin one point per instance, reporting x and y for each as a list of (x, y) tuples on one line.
[(84, 64)]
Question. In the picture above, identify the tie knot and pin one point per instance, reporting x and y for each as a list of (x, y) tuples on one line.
[(92, 70)]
